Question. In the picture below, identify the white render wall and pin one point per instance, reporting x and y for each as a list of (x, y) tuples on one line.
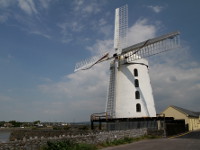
[(125, 106)]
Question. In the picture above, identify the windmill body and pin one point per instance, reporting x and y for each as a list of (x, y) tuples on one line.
[(130, 93)]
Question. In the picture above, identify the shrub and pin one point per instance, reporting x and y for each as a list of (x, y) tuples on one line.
[(68, 145), (125, 140)]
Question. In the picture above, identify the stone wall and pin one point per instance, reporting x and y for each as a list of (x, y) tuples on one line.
[(26, 133), (34, 143)]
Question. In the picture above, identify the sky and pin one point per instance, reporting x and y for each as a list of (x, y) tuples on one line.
[(42, 40)]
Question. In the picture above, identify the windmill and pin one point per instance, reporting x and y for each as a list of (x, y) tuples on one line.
[(130, 92)]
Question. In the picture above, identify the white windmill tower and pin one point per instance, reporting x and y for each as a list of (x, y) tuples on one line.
[(130, 92)]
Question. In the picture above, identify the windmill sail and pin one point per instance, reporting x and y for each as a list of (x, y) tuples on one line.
[(120, 40), (121, 28), (152, 46), (88, 63)]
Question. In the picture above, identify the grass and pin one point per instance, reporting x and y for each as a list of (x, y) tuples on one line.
[(70, 145), (125, 140)]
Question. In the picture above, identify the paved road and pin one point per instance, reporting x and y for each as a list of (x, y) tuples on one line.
[(191, 135), (190, 141)]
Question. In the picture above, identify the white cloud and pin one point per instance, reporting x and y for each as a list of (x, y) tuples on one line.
[(82, 93), (37, 32), (105, 30), (101, 46), (6, 59), (78, 4), (138, 32), (4, 17), (86, 7), (141, 31), (102, 21), (176, 80), (156, 9), (45, 3), (6, 3), (92, 8), (28, 6), (66, 36), (76, 27), (68, 29), (26, 21), (4, 98), (88, 81)]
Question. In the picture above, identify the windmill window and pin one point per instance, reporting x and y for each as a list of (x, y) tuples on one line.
[(135, 72), (137, 94), (138, 108), (136, 83)]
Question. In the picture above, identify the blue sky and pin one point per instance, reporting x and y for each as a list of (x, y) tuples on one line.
[(41, 40)]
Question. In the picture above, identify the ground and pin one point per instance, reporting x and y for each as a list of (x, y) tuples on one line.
[(189, 141)]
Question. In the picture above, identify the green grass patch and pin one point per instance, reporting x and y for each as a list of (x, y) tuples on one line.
[(68, 145), (125, 140)]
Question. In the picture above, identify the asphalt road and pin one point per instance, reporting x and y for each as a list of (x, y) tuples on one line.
[(190, 141), (191, 135)]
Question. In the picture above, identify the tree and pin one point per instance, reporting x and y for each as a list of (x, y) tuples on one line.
[(36, 122), (2, 123), (15, 123)]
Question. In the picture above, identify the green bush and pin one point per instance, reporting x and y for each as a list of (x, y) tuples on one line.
[(68, 145), (83, 146), (66, 127), (125, 140), (84, 128)]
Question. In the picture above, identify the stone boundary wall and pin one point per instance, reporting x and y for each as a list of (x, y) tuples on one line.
[(35, 143)]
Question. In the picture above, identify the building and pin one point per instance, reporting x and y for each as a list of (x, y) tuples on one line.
[(130, 93), (192, 119)]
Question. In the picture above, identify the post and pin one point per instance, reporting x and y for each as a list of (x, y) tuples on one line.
[(92, 123), (164, 126), (100, 124)]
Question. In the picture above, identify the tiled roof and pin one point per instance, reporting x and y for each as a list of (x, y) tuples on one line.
[(187, 112)]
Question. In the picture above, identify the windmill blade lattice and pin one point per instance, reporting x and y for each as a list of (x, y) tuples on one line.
[(120, 40), (152, 47), (121, 28), (88, 63)]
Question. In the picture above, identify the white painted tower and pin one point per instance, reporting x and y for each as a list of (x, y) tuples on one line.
[(130, 92)]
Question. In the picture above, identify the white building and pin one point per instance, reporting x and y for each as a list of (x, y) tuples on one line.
[(130, 92)]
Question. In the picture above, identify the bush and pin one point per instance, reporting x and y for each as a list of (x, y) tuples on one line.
[(84, 128), (68, 145), (125, 140), (84, 146)]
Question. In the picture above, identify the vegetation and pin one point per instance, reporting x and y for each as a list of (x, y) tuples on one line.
[(68, 145), (36, 122), (15, 123), (2, 123), (125, 140)]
